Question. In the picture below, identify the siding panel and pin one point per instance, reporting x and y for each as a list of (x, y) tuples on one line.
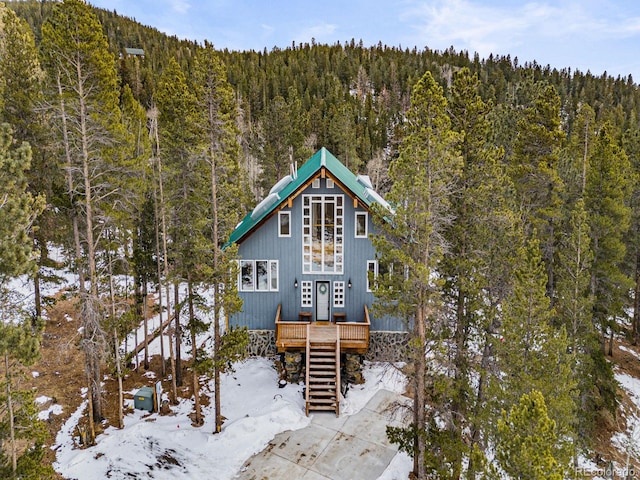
[(259, 308)]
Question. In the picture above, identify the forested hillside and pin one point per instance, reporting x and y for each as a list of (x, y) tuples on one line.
[(525, 228)]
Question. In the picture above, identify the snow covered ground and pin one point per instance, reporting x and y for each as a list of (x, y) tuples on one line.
[(168, 447)]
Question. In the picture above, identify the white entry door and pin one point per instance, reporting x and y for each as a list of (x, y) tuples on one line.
[(322, 301)]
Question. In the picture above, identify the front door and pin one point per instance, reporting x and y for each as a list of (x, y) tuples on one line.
[(322, 301)]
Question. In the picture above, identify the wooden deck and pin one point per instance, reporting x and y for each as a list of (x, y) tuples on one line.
[(293, 335)]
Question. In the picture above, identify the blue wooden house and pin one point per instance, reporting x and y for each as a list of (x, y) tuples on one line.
[(305, 254)]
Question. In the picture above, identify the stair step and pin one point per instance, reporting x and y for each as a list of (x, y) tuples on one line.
[(322, 401), (322, 373), (321, 394), (324, 380), (322, 376), (322, 407)]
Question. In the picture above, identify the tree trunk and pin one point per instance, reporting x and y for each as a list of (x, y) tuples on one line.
[(487, 352), (178, 335), (70, 188), (159, 273), (458, 406), (174, 389), (163, 223), (116, 345), (119, 374), (92, 428), (636, 302), (12, 429), (37, 296), (610, 352), (95, 328), (194, 350), (419, 398), (216, 288), (216, 363), (145, 321)]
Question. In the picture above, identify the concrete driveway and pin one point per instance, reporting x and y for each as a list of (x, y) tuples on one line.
[(351, 447)]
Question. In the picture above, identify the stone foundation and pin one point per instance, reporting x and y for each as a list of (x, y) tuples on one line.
[(293, 366), (383, 346), (262, 343), (352, 369), (387, 347)]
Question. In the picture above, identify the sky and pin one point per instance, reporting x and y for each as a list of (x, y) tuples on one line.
[(588, 35)]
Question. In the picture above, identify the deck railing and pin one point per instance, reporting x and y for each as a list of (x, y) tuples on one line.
[(293, 334), (290, 334)]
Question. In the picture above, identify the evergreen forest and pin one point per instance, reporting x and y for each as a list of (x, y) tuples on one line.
[(516, 183)]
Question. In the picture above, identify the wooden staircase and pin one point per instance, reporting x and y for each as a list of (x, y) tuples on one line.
[(323, 369)]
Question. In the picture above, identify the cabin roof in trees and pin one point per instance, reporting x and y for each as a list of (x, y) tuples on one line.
[(321, 164), (134, 51)]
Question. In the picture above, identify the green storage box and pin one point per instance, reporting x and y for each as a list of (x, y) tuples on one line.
[(144, 399)]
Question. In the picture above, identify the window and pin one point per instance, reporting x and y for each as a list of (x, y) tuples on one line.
[(258, 276), (262, 275), (246, 275), (393, 274), (322, 233), (315, 183), (330, 183), (305, 293), (372, 271), (284, 224), (338, 294), (274, 275), (361, 225)]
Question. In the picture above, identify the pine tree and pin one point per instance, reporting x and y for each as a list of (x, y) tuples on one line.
[(533, 169), (215, 99), (189, 197), (574, 161), (532, 354), (423, 177), (18, 333), (479, 211), (574, 310), (19, 345), (607, 196), (22, 77), (342, 135), (18, 208), (631, 145), (527, 437), (84, 94)]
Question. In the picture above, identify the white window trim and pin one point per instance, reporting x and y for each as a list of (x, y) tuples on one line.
[(277, 277), (375, 272), (306, 287), (315, 183), (283, 214), (307, 201), (254, 278), (338, 294), (330, 183), (366, 224)]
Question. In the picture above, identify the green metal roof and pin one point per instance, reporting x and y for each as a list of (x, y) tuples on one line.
[(134, 51), (358, 186)]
